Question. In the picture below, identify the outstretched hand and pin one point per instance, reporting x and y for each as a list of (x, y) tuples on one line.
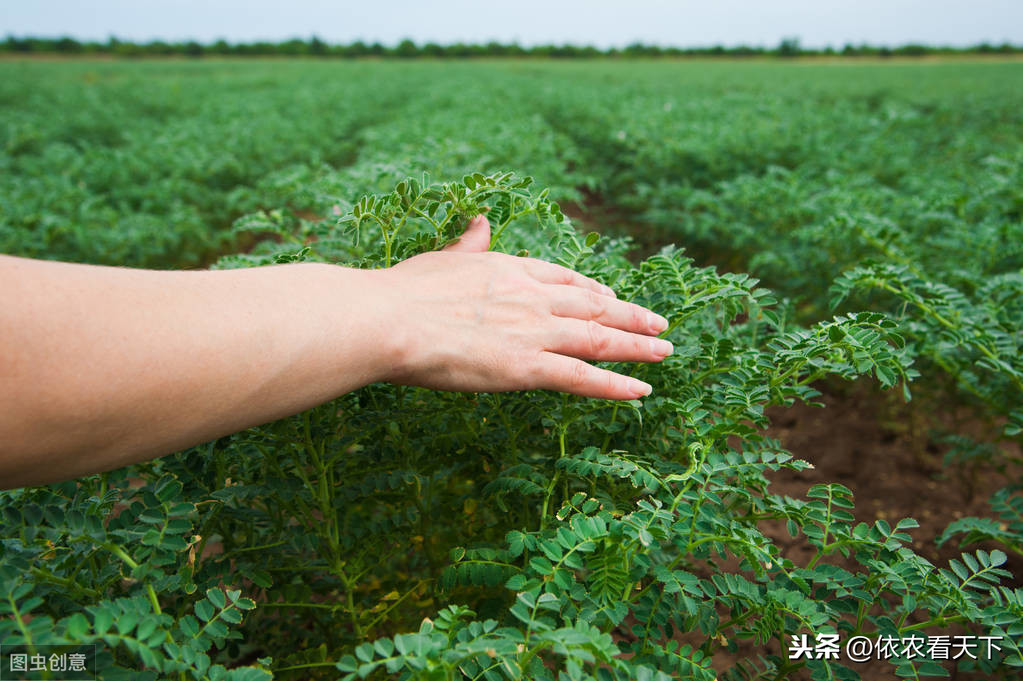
[(105, 366), (467, 319)]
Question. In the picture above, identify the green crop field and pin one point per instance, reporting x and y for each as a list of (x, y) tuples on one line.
[(802, 225)]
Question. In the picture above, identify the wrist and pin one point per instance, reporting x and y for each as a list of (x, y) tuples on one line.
[(363, 303), (392, 325)]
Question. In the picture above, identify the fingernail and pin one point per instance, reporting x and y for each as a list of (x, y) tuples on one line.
[(657, 322), (659, 346), (639, 388)]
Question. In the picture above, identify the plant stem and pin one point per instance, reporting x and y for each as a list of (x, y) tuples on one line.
[(554, 479), (307, 665)]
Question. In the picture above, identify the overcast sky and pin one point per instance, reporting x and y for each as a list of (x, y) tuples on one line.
[(603, 23)]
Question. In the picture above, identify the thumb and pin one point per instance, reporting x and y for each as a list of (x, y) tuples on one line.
[(476, 238)]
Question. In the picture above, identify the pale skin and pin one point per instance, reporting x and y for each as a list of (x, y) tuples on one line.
[(101, 367)]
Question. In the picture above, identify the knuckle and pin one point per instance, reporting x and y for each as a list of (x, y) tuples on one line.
[(563, 275), (596, 304), (640, 346), (638, 317), (598, 338), (537, 374), (579, 375)]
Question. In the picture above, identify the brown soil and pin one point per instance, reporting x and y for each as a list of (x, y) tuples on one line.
[(884, 452), (866, 443), (603, 216), (887, 453)]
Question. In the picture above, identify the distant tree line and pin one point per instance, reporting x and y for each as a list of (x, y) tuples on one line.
[(407, 49)]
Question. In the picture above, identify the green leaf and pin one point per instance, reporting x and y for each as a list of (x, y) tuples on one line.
[(204, 610), (78, 627), (364, 652), (384, 647), (216, 597)]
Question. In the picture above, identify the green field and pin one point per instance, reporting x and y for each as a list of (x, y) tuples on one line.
[(880, 206)]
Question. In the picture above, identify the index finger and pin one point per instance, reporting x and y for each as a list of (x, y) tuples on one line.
[(549, 273)]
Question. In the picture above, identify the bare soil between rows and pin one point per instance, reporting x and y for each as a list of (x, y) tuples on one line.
[(887, 453)]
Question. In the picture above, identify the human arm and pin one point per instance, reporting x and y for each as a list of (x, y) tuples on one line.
[(101, 367)]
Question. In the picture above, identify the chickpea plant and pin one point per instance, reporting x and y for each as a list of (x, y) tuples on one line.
[(397, 532)]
